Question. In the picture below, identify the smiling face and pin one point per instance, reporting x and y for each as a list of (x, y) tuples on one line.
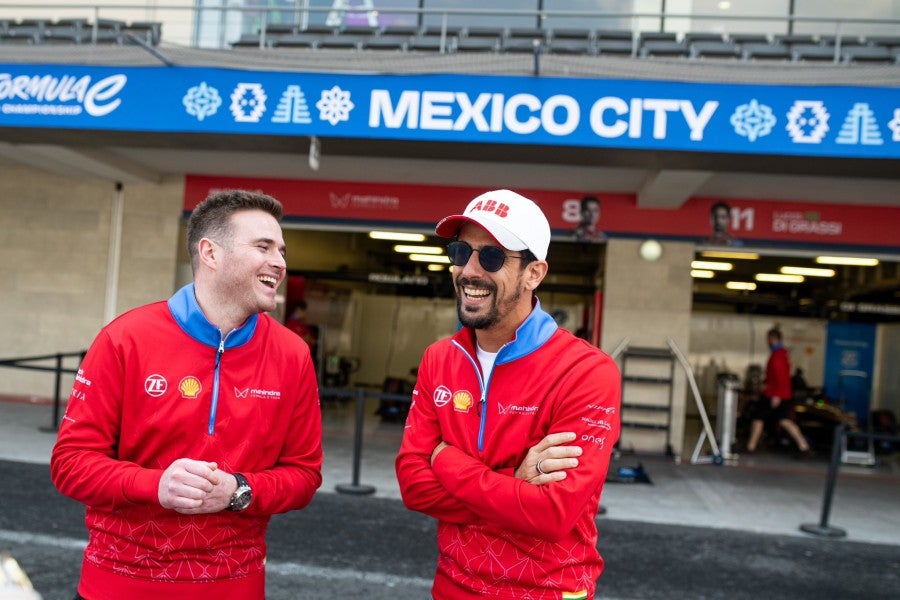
[(494, 304), (252, 264)]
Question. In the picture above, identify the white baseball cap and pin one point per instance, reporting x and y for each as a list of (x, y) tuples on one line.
[(513, 220)]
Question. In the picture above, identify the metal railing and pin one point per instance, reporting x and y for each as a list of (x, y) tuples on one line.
[(57, 368), (216, 26)]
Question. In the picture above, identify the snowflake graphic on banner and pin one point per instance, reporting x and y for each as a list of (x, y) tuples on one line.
[(753, 120), (202, 101), (894, 125), (248, 102), (335, 105), (807, 121)]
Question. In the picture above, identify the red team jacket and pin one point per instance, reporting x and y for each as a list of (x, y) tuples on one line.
[(500, 537), (160, 383)]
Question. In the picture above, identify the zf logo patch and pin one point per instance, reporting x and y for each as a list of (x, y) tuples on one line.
[(156, 385)]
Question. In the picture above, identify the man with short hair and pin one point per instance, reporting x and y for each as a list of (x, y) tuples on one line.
[(508, 440), (192, 421)]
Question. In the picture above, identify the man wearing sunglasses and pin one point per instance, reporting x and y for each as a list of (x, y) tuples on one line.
[(508, 440)]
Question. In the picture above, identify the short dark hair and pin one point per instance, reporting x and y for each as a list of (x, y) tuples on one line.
[(775, 333), (212, 217), (528, 257), (715, 207), (588, 200)]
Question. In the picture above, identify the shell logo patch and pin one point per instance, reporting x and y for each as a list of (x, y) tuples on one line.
[(190, 387), (462, 401)]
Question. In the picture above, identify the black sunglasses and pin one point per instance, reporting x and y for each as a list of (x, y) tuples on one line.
[(491, 258)]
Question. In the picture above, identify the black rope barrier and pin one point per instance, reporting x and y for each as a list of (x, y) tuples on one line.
[(58, 369), (360, 394), (822, 528)]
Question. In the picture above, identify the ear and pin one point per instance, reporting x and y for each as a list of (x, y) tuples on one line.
[(208, 253), (535, 273)]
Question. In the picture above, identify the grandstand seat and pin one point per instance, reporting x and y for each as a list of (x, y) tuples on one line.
[(710, 49), (401, 30), (63, 35), (274, 30), (653, 48), (615, 34), (250, 40), (791, 39), (845, 40), (570, 46), (529, 33), (483, 32), (386, 42), (889, 41), (339, 42), (297, 40), (813, 53), (522, 45), (571, 33), (360, 32), (149, 32), (765, 52), (867, 54), (748, 38), (656, 36), (614, 47), (431, 43), (435, 30), (18, 34), (477, 44), (702, 36)]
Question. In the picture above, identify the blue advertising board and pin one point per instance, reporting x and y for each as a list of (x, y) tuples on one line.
[(821, 121), (849, 363)]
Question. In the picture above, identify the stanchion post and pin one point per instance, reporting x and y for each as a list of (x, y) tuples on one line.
[(355, 487), (822, 528), (57, 401)]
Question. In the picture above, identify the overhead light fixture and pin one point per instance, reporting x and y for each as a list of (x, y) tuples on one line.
[(807, 271), (711, 266), (702, 274), (406, 249), (650, 250), (741, 285), (856, 261), (779, 278), (730, 255), (430, 258), (397, 236), (435, 267)]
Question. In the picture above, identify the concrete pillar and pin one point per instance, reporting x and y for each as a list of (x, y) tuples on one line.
[(648, 303)]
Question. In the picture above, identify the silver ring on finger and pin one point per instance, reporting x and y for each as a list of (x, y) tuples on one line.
[(539, 469)]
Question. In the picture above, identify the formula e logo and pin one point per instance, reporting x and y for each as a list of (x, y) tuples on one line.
[(156, 385), (442, 396)]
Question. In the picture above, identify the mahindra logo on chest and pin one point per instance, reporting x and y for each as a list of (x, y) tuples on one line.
[(498, 208)]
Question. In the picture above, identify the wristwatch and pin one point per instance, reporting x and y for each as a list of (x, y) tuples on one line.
[(242, 495)]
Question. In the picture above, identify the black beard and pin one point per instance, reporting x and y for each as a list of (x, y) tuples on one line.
[(493, 315)]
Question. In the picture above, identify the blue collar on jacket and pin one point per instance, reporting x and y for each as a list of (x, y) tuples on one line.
[(184, 308), (531, 335)]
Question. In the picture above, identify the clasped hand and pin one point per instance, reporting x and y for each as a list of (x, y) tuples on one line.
[(194, 487)]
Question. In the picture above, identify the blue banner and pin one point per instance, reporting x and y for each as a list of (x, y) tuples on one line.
[(852, 122), (849, 363)]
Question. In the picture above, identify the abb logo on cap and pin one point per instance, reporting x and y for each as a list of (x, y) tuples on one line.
[(498, 208)]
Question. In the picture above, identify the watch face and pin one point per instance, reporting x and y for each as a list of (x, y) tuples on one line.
[(241, 499)]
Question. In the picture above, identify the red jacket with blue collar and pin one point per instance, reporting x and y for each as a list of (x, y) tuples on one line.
[(160, 383), (500, 537)]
